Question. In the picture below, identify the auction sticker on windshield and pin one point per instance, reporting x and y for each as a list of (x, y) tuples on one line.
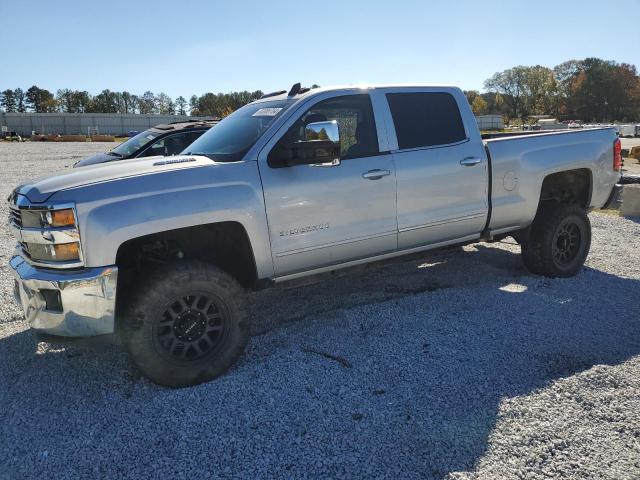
[(267, 112)]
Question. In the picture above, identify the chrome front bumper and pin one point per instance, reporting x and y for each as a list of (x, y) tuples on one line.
[(79, 303)]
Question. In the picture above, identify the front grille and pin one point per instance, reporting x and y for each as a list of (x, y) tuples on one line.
[(15, 217)]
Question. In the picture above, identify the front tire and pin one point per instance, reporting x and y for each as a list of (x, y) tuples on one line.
[(187, 323), (558, 242)]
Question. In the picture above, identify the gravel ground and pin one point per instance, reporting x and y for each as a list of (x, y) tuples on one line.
[(456, 364)]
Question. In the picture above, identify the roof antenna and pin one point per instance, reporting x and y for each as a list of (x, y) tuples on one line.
[(294, 90)]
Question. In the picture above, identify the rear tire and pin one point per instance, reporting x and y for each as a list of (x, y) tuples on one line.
[(186, 323), (558, 242)]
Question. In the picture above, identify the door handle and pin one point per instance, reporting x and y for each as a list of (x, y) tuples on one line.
[(376, 174), (470, 161)]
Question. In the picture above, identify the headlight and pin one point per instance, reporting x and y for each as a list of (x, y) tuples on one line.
[(62, 252), (50, 235), (64, 217), (60, 218)]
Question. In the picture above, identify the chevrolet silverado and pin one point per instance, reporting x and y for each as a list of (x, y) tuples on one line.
[(163, 250)]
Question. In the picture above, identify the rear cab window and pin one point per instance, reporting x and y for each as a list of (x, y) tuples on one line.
[(425, 119)]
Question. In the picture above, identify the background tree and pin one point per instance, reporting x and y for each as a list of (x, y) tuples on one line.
[(8, 100), (147, 103), (64, 99), (495, 103), (164, 104), (603, 91), (181, 105), (479, 105), (565, 74), (127, 103), (135, 104), (32, 98), (119, 102), (18, 93), (40, 100), (526, 91), (511, 85), (193, 104), (226, 111), (81, 100), (471, 95), (539, 90), (105, 102), (73, 101)]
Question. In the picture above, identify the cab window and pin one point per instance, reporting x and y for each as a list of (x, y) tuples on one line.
[(425, 119), (354, 114)]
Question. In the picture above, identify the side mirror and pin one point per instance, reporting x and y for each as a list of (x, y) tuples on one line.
[(321, 144), (327, 131)]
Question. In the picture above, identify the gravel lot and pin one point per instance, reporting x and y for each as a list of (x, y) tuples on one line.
[(457, 364)]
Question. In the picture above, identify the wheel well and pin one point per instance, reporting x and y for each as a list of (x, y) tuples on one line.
[(224, 244), (572, 187)]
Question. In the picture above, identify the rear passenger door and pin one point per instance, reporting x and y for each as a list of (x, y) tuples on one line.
[(441, 167)]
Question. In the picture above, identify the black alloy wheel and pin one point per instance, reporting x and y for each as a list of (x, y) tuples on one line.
[(566, 243), (191, 327)]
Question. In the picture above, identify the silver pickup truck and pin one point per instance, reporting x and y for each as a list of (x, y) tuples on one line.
[(162, 251)]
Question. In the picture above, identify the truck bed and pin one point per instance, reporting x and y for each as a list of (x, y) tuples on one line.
[(520, 163)]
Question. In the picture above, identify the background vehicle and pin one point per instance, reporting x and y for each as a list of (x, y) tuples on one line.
[(628, 130), (162, 251), (164, 140)]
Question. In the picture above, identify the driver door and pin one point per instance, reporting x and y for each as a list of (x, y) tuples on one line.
[(327, 214)]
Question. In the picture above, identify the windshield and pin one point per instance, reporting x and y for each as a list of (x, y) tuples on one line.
[(229, 140), (134, 143)]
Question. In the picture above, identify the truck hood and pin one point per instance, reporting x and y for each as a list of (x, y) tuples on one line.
[(40, 189)]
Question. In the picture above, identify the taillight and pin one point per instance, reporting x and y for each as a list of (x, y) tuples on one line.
[(617, 154)]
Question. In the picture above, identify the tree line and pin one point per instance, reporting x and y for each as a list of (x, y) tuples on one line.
[(40, 100), (589, 90)]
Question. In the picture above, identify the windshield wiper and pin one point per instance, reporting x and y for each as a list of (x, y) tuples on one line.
[(115, 154)]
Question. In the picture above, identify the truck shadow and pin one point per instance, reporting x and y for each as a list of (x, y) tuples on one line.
[(459, 361), (382, 281)]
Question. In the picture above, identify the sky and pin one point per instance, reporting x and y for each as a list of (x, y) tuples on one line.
[(192, 47)]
